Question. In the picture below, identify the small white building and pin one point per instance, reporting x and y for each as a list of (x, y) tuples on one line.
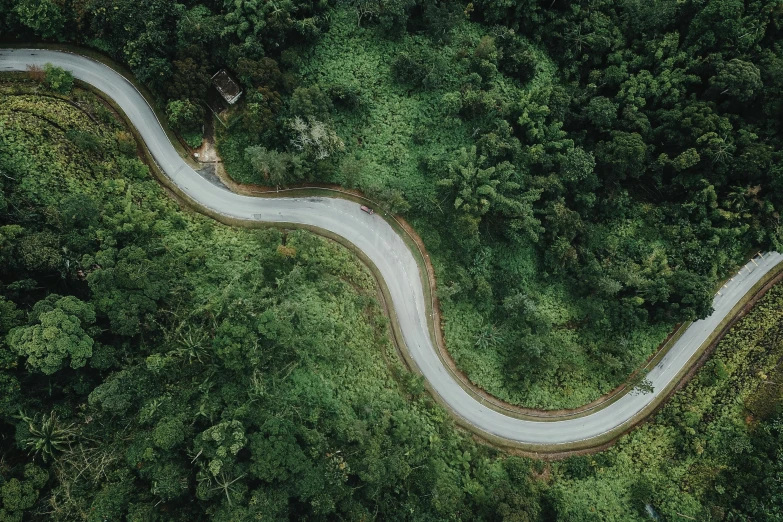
[(226, 86)]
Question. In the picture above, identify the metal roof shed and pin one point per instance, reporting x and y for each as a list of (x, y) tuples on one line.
[(226, 86)]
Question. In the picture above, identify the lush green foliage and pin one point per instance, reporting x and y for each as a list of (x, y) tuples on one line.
[(260, 381), (713, 453), (605, 197), (55, 333), (155, 365), (625, 152), (58, 79), (184, 115), (173, 47), (417, 138)]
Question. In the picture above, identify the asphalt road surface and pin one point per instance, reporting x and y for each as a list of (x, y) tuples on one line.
[(397, 266)]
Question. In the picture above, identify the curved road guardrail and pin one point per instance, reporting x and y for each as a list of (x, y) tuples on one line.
[(397, 265)]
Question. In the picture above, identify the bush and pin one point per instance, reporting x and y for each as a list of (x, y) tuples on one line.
[(518, 59), (345, 95), (86, 141), (58, 79), (126, 143), (36, 73), (310, 102), (184, 115), (193, 138), (273, 167)]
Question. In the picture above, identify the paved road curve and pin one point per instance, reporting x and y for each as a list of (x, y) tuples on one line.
[(396, 264)]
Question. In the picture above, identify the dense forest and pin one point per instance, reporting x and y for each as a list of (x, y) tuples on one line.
[(583, 174), (159, 366)]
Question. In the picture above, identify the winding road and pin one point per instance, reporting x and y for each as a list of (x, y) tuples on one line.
[(398, 267)]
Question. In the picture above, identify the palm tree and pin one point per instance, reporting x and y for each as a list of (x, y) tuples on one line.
[(489, 336), (49, 437)]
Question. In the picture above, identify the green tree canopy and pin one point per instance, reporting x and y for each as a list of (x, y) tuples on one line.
[(55, 335), (276, 168), (44, 17), (184, 115), (739, 79), (479, 190)]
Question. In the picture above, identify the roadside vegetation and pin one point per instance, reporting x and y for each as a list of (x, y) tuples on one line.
[(583, 174), (155, 365), (712, 453)]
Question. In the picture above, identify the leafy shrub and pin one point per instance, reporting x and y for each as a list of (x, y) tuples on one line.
[(86, 141), (184, 115), (193, 138), (58, 79)]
